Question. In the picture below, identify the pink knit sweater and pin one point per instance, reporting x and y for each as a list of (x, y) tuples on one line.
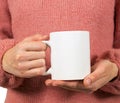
[(22, 18)]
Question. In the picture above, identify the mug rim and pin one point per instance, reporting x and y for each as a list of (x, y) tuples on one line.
[(59, 32)]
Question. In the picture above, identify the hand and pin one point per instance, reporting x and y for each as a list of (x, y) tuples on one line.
[(102, 72), (27, 58)]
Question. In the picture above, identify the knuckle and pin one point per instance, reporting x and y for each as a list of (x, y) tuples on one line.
[(42, 62), (20, 45), (18, 66), (43, 46), (21, 74), (38, 72), (20, 57)]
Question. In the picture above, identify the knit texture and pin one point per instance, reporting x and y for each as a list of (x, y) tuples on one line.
[(22, 18)]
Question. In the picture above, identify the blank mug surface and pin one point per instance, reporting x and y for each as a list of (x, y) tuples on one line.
[(70, 55)]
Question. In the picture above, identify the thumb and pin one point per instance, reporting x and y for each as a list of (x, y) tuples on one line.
[(93, 77)]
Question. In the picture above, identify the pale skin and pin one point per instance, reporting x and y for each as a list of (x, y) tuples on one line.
[(102, 72), (27, 59)]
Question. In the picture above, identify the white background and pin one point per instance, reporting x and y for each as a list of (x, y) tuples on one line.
[(2, 94)]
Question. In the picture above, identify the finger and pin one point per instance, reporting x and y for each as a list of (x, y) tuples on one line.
[(34, 46), (75, 86), (66, 84), (33, 72), (99, 83), (31, 55), (31, 64), (50, 82), (94, 76), (69, 85), (37, 37)]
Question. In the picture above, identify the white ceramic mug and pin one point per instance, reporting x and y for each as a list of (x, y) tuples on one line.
[(70, 55)]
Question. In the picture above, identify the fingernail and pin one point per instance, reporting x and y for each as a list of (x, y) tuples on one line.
[(89, 81)]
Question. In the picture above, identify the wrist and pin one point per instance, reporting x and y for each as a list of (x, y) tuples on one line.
[(115, 67)]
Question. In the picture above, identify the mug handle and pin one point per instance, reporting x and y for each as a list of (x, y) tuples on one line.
[(49, 71), (47, 42)]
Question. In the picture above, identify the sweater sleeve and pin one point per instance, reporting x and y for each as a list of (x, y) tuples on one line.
[(6, 42), (114, 55)]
